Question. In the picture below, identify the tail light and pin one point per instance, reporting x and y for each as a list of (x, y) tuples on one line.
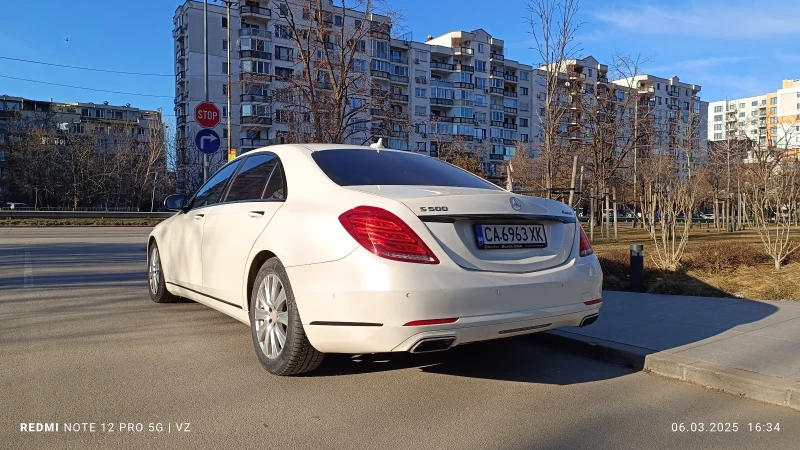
[(586, 246), (386, 235)]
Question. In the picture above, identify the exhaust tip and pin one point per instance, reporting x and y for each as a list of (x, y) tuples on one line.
[(437, 344), (588, 320)]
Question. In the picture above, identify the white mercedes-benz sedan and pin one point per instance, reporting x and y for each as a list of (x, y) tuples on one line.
[(343, 249)]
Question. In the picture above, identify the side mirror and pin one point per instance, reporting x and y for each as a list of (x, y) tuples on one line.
[(175, 202)]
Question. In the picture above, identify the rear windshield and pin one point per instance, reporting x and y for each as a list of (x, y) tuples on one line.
[(354, 167)]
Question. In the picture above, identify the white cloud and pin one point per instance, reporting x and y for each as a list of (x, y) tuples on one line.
[(708, 19), (690, 65)]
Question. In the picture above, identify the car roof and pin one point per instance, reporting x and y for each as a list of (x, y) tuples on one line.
[(308, 149)]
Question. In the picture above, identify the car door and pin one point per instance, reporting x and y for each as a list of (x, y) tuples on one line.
[(230, 230), (186, 231)]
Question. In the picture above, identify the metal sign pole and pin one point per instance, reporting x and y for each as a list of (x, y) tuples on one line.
[(205, 75)]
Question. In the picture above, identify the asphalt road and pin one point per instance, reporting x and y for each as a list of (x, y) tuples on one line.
[(82, 342)]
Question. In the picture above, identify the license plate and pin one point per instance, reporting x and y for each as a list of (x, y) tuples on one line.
[(510, 236)]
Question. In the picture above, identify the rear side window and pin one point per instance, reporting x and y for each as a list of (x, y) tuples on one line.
[(354, 167), (276, 188), (211, 192), (251, 179)]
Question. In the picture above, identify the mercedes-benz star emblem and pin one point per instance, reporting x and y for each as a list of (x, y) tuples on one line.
[(515, 203)]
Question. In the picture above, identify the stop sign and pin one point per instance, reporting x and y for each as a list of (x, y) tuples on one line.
[(207, 115)]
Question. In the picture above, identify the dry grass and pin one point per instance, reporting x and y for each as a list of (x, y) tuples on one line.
[(89, 222), (716, 264)]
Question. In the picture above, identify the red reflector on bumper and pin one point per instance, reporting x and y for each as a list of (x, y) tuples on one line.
[(416, 323), (593, 302)]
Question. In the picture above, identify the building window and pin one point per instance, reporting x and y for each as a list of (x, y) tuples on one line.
[(337, 21), (225, 133), (754, 103), (224, 22), (590, 72), (523, 90), (742, 114), (773, 130), (357, 24), (523, 122), (717, 136), (523, 76), (224, 111), (422, 56), (421, 93), (480, 48), (224, 44), (283, 9), (773, 120), (773, 110), (658, 86), (523, 137), (224, 89), (773, 101), (717, 109), (741, 105), (718, 118), (420, 110), (718, 127), (480, 66), (224, 67), (420, 146)]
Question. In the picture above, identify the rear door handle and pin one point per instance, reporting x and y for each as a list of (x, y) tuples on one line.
[(256, 214)]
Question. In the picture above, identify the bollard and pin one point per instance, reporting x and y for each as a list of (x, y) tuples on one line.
[(637, 267)]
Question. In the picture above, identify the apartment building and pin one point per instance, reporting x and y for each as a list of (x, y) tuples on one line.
[(106, 121), (770, 119), (458, 85), (675, 112)]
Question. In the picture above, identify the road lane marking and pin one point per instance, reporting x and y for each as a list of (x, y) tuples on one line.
[(28, 272)]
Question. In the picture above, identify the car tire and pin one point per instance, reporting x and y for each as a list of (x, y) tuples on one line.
[(278, 336), (155, 277)]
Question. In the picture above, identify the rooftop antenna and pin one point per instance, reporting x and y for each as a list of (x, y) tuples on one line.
[(378, 145)]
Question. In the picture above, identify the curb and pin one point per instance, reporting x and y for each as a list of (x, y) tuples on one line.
[(756, 386)]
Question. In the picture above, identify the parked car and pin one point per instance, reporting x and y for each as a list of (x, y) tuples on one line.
[(344, 249)]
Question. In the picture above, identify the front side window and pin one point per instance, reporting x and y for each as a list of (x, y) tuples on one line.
[(251, 179), (211, 192), (356, 167)]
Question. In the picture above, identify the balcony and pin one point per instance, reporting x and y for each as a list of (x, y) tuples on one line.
[(496, 74), (509, 126), (442, 66), (180, 55), (441, 83), (673, 93), (468, 120), (496, 90), (578, 136), (463, 51), (180, 120), (255, 32), (465, 68), (180, 98), (509, 93), (496, 57), (497, 107), (399, 60), (254, 142), (255, 98), (603, 80), (463, 85), (379, 73), (441, 119), (254, 54), (380, 31), (509, 110), (675, 107), (398, 79), (257, 120), (255, 77), (179, 32), (576, 76), (180, 76), (421, 80), (254, 11), (442, 101), (496, 123), (399, 98), (323, 85), (460, 102), (512, 78)]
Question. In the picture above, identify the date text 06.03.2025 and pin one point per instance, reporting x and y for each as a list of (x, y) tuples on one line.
[(725, 427)]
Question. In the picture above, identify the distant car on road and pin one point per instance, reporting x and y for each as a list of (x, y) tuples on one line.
[(346, 249), (15, 205)]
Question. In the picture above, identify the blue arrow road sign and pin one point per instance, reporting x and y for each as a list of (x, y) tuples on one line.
[(207, 140)]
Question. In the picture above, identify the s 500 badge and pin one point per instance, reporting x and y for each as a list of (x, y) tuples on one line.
[(432, 208)]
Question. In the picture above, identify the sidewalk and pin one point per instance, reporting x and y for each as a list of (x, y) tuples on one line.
[(746, 347)]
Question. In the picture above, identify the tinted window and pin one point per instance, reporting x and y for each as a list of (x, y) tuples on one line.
[(276, 188), (211, 192), (252, 177), (364, 167)]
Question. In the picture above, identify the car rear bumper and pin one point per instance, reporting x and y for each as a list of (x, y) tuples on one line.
[(361, 303)]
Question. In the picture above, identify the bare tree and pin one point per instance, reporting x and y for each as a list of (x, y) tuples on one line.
[(331, 93), (554, 25)]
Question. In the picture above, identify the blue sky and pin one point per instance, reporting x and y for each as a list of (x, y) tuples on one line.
[(731, 48)]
